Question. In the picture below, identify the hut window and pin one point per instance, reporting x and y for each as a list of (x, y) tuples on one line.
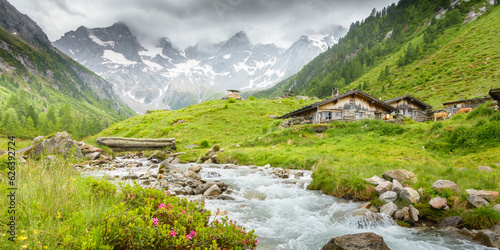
[(359, 116), (337, 114), (327, 115)]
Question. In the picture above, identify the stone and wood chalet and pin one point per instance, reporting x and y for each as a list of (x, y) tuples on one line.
[(453, 107), (351, 105), (495, 94), (410, 106)]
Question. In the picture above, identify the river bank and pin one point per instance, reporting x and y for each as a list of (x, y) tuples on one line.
[(284, 214)]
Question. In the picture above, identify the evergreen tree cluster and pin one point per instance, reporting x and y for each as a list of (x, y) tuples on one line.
[(20, 118), (370, 41)]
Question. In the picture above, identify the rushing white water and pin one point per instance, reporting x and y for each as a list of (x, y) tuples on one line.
[(285, 215)]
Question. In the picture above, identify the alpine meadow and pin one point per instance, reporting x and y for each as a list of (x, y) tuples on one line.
[(389, 138)]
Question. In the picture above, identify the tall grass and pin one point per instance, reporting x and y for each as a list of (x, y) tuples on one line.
[(55, 206)]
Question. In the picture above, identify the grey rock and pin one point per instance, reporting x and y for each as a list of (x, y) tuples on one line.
[(477, 201), (484, 168), (453, 221), (406, 213), (438, 203), (212, 191), (192, 175), (93, 156), (488, 195), (38, 139), (497, 207), (383, 187), (413, 213), (375, 180), (401, 175), (466, 232), (389, 209), (398, 214), (363, 241), (60, 143), (396, 186), (441, 185), (487, 238), (195, 168), (409, 195), (388, 196)]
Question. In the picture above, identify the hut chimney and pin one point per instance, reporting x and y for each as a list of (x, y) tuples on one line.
[(335, 92)]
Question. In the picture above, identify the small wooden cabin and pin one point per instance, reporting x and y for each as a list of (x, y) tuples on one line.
[(352, 105), (453, 107), (410, 106), (234, 94)]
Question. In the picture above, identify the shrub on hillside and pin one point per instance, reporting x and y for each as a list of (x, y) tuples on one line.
[(480, 218), (480, 111), (204, 144)]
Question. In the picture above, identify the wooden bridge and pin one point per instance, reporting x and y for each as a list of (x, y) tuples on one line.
[(120, 144)]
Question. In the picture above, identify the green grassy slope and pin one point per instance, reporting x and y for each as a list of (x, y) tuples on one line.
[(465, 66), (459, 61), (51, 79), (217, 122)]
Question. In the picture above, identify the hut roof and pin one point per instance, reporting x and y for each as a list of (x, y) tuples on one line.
[(331, 99), (495, 94), (421, 103), (469, 100)]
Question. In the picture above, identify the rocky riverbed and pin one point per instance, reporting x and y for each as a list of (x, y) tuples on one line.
[(274, 202)]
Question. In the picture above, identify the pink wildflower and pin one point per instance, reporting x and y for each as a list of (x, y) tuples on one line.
[(167, 192), (255, 242), (161, 205), (173, 233), (246, 241), (155, 221), (130, 196), (193, 233), (188, 237), (183, 211)]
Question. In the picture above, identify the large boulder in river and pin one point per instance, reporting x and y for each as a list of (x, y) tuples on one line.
[(361, 241), (60, 143), (195, 168), (192, 175), (441, 185), (389, 209), (487, 238), (401, 175), (410, 195)]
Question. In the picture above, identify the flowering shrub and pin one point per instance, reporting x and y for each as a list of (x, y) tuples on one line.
[(151, 219)]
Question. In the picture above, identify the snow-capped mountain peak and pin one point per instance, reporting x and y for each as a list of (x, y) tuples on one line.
[(160, 75)]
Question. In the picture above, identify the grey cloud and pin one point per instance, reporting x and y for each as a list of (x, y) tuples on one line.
[(187, 22)]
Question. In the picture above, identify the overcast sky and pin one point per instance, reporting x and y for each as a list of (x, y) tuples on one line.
[(187, 22)]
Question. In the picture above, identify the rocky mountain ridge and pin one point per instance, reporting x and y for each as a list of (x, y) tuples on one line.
[(162, 76)]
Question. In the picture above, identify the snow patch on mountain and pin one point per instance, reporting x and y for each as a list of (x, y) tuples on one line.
[(95, 39), (117, 58)]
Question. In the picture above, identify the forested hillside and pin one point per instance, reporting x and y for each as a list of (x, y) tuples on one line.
[(389, 45), (43, 91)]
